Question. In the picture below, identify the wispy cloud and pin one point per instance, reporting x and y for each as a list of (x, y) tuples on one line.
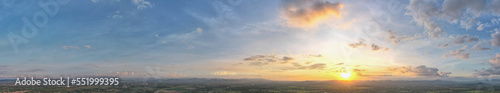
[(142, 4)]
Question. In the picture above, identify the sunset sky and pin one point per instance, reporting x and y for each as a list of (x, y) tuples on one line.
[(271, 39)]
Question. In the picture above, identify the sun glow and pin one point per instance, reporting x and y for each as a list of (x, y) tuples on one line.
[(345, 75)]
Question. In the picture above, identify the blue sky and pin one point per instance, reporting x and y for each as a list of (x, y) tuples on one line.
[(277, 40)]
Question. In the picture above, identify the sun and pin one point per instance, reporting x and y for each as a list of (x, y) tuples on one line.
[(345, 75)]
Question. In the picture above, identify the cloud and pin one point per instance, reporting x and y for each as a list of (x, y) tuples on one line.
[(495, 6), (461, 53), (373, 47), (296, 64), (261, 60), (495, 21), (199, 30), (495, 39), (376, 47), (426, 12), (70, 47), (116, 15), (306, 13), (32, 70), (188, 39), (480, 27), (420, 71), (396, 39), (287, 59), (308, 62), (356, 45), (142, 4), (258, 63), (464, 39), (442, 45), (317, 66), (494, 69), (87, 46), (478, 47)]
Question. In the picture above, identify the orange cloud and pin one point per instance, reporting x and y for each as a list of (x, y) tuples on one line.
[(309, 13)]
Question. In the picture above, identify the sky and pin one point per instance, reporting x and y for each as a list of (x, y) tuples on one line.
[(276, 40)]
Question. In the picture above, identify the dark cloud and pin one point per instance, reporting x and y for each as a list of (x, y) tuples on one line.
[(287, 59), (373, 47), (306, 13), (32, 70), (258, 63), (495, 39), (461, 53), (495, 6), (376, 48), (442, 45), (420, 71), (396, 39), (296, 64), (464, 39), (494, 69), (479, 47), (356, 45), (317, 66), (261, 60)]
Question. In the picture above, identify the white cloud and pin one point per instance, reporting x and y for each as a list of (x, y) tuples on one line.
[(116, 15), (480, 27), (188, 39), (88, 46), (142, 4)]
